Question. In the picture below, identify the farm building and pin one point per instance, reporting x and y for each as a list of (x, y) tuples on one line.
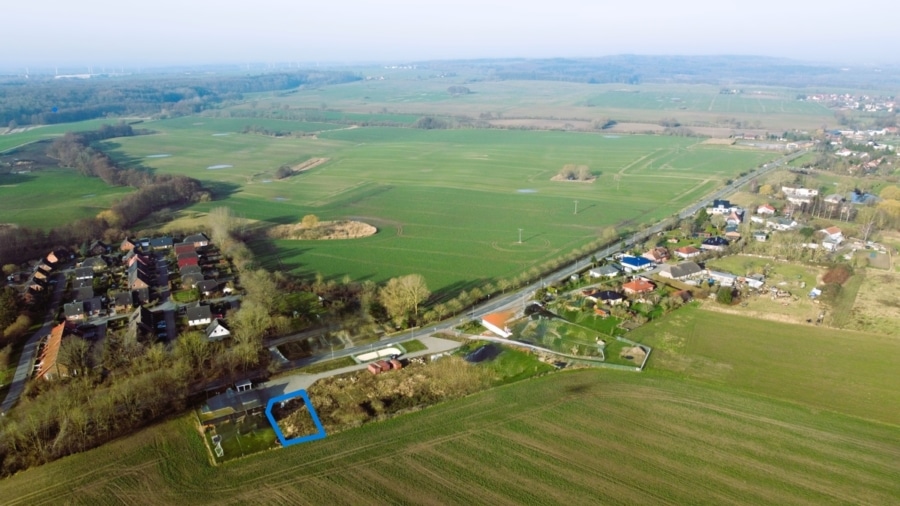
[(496, 323), (198, 240), (682, 271), (723, 278)]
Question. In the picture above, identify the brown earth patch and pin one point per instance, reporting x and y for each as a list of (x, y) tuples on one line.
[(719, 140), (324, 230), (308, 165)]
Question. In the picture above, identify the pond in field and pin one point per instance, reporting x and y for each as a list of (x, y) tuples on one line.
[(160, 155), (610, 136), (280, 199), (217, 167), (221, 134), (526, 190)]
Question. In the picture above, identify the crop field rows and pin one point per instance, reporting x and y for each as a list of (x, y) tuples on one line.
[(562, 438)]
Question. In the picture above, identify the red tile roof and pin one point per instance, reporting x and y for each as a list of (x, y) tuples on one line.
[(639, 285)]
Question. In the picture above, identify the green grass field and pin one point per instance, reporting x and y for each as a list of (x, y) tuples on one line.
[(53, 197), (587, 436), (10, 141), (448, 203), (819, 367)]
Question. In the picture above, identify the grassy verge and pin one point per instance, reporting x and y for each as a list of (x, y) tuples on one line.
[(413, 345), (328, 365), (841, 308)]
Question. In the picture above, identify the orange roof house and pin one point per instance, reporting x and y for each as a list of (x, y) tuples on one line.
[(496, 323), (638, 285), (48, 367)]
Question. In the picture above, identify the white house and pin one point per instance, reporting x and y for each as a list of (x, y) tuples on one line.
[(765, 209), (605, 271), (217, 331), (496, 323), (799, 195), (832, 234)]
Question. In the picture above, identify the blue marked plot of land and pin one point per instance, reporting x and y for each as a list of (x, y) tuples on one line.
[(280, 400)]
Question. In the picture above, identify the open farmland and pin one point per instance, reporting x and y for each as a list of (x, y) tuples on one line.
[(448, 203), (562, 438), (53, 197), (761, 107), (820, 367)]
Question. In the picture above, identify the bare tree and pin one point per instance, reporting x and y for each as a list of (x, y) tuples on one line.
[(402, 295)]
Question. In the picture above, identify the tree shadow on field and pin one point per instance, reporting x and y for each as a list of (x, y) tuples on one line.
[(221, 190)]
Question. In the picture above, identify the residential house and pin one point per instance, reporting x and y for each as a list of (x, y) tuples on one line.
[(47, 366), (199, 315), (141, 296), (832, 234), (161, 243), (139, 277), (84, 273), (198, 240), (216, 331), (97, 248), (496, 323), (604, 271), (682, 271), (722, 206), (657, 255), (189, 281), (93, 307), (782, 224), (97, 263), (74, 311), (760, 235), (723, 278), (123, 301), (799, 196), (608, 297), (686, 252), (181, 248), (635, 264), (734, 219), (208, 287), (141, 321), (716, 243), (84, 293), (127, 245), (82, 283), (766, 210), (191, 269), (638, 286)]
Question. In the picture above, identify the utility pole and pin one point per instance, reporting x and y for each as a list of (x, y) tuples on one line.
[(576, 207), (520, 236)]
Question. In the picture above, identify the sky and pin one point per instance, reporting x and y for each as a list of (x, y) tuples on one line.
[(83, 33)]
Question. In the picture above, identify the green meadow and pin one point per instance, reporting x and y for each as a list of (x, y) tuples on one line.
[(448, 203), (37, 133), (53, 197)]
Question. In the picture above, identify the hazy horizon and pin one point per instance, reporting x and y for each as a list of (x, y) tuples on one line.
[(92, 33)]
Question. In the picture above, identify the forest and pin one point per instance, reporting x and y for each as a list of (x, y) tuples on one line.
[(42, 101)]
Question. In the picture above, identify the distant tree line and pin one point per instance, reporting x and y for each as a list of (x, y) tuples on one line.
[(48, 101)]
